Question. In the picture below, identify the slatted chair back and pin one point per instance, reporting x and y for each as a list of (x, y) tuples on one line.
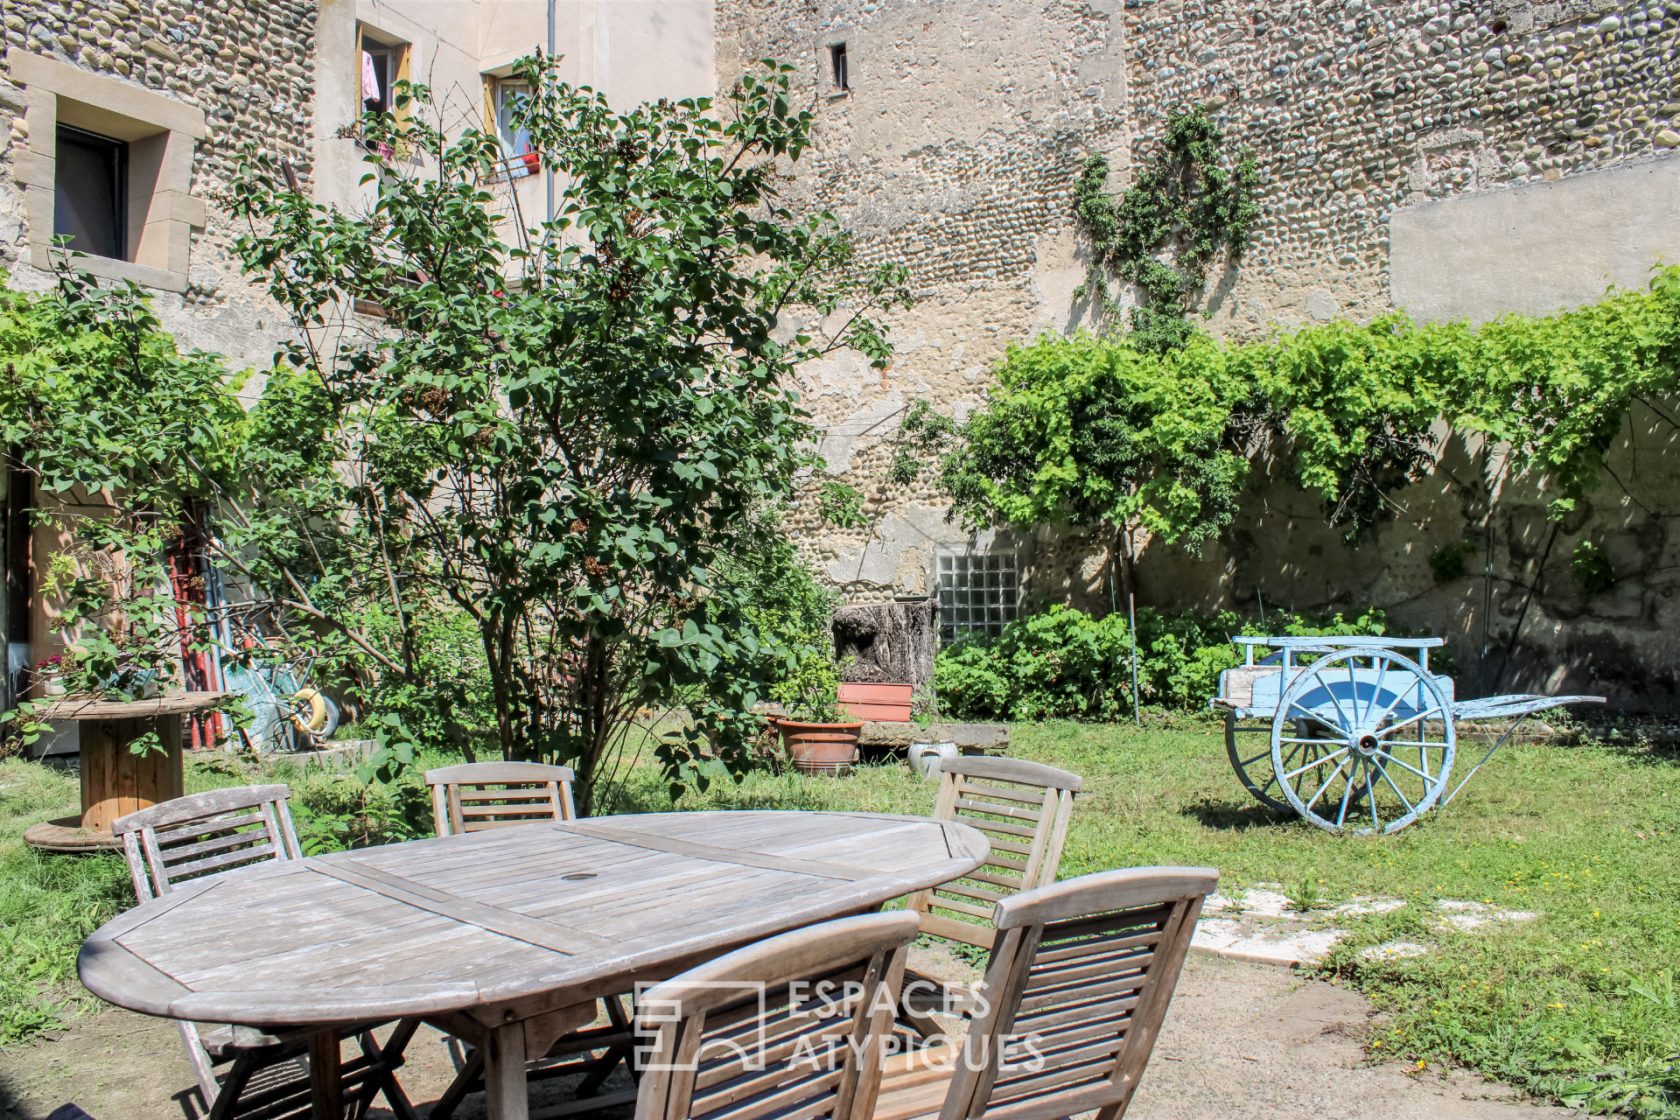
[(1023, 808), (1077, 987), (205, 834), (475, 796), (790, 1028)]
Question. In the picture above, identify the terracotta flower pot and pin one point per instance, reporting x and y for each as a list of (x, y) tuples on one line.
[(820, 748), (889, 703)]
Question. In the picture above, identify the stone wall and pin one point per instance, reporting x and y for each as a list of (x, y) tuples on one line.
[(954, 152), (247, 65), (1357, 110)]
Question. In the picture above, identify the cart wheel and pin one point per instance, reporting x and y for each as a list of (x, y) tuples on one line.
[(1251, 757), (1362, 740)]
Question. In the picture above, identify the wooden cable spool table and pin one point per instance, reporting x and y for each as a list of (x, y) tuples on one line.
[(116, 781), (504, 937)]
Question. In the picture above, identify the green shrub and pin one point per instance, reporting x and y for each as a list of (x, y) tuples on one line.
[(1065, 664), (336, 810)]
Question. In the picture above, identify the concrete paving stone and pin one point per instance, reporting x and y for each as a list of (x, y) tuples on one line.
[(1393, 950), (1465, 916), (1214, 934), (1361, 906), (1285, 946)]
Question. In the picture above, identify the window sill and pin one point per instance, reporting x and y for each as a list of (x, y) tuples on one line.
[(109, 268)]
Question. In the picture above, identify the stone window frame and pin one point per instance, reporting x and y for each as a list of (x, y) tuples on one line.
[(160, 132)]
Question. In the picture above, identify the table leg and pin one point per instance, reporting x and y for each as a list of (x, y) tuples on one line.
[(326, 1079), (505, 1094)]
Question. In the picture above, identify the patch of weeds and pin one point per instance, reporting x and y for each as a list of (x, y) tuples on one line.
[(48, 904), (1306, 895)]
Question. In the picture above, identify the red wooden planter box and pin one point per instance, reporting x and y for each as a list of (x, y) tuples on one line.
[(888, 703)]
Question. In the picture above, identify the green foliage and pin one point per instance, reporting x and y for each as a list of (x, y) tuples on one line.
[(1590, 566), (1354, 404), (1065, 664), (922, 435), (1096, 433), (1448, 562), (1192, 202), (1061, 663), (567, 433), (335, 811), (1090, 432), (96, 401), (791, 613), (841, 505)]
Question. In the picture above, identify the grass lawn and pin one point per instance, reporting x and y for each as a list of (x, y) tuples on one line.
[(1580, 1004)]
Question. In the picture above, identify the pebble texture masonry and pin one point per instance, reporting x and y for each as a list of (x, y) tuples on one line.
[(247, 65), (955, 151)]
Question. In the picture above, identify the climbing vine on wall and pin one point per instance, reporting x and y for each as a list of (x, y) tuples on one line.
[(1192, 202), (1100, 435)]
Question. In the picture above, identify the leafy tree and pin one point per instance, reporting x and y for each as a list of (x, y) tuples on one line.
[(1091, 433), (1094, 433), (566, 432), (1356, 405), (130, 444)]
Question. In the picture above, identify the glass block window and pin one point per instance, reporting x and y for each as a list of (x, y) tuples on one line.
[(978, 593)]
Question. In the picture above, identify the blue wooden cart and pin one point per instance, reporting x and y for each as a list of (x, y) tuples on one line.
[(1354, 734)]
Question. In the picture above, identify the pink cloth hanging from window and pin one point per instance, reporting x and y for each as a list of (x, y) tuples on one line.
[(370, 79)]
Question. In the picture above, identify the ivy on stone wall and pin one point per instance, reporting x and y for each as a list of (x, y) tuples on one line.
[(1096, 434), (1192, 202)]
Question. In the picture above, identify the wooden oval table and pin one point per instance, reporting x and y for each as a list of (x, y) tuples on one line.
[(508, 936)]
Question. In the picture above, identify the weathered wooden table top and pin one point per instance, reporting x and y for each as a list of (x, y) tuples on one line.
[(565, 912)]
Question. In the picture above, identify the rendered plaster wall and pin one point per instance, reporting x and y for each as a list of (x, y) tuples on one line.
[(1538, 248), (1515, 612)]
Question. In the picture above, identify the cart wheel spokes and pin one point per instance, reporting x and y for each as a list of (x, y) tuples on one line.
[(1379, 746), (1250, 751)]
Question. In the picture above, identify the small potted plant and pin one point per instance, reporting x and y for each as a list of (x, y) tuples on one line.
[(818, 738), (49, 674)]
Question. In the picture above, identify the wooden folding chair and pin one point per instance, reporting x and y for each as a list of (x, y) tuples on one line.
[(792, 1027), (1023, 808), (1078, 983), (217, 833), (475, 796)]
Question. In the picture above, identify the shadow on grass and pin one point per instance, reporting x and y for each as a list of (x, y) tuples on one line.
[(1235, 816)]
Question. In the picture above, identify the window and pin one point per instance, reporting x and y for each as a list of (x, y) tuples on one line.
[(838, 68), (378, 75), (978, 593), (510, 97), (90, 199), (108, 164), (384, 63)]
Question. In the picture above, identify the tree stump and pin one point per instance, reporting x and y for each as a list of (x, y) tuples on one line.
[(887, 642)]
